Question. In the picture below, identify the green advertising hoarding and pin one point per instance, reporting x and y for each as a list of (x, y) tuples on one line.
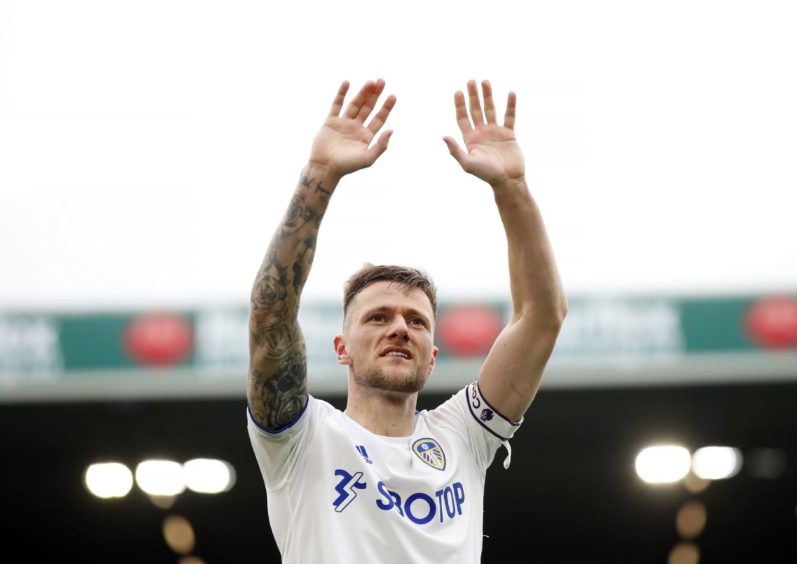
[(605, 341)]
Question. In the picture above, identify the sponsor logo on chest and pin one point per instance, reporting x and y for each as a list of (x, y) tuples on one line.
[(420, 507)]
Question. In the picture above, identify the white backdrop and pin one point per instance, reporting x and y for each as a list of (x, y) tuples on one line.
[(149, 148)]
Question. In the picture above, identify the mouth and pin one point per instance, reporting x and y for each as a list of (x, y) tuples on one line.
[(396, 352)]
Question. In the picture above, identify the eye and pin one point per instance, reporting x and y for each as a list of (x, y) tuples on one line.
[(377, 317), (418, 321)]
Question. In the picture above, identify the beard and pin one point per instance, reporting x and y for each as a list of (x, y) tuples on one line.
[(378, 378)]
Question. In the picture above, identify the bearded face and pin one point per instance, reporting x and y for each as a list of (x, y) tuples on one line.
[(388, 338)]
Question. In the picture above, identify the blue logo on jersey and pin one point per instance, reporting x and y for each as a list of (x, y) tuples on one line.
[(420, 508), (430, 452), (346, 488), (487, 414), (363, 453)]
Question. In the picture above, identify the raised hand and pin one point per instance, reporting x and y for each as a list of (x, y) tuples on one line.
[(343, 145), (493, 153)]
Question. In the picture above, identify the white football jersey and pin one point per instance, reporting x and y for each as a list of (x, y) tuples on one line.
[(338, 493)]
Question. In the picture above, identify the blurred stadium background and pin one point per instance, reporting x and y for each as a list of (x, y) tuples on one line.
[(142, 163), (629, 373)]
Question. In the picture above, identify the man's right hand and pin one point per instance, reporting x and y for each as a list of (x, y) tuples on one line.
[(343, 145)]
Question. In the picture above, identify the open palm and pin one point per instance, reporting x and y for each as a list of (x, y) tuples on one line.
[(492, 152), (343, 144)]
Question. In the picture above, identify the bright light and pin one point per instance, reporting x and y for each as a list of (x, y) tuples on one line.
[(716, 462), (206, 475), (109, 479), (160, 477), (662, 464)]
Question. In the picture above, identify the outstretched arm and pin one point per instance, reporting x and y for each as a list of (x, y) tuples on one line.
[(513, 369), (277, 389)]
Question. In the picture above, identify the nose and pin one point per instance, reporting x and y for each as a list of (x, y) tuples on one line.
[(399, 328)]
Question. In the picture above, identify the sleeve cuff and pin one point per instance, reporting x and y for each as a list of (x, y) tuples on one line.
[(487, 416)]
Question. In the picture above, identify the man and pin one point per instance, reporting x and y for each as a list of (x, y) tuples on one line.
[(382, 482)]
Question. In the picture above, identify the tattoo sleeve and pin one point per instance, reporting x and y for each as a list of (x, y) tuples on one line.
[(277, 390)]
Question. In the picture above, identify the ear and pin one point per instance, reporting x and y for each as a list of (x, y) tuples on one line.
[(435, 350), (341, 351)]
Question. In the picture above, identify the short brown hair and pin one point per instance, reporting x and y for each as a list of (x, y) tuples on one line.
[(408, 277)]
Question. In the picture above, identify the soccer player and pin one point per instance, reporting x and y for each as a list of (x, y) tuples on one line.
[(380, 481)]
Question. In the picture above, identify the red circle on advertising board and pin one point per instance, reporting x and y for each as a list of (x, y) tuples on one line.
[(158, 339), (469, 330), (772, 322)]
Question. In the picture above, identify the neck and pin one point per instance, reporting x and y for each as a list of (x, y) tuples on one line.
[(391, 414)]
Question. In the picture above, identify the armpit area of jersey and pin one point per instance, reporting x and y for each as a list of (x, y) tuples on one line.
[(487, 416)]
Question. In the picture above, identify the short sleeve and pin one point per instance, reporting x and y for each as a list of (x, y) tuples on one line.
[(278, 452)]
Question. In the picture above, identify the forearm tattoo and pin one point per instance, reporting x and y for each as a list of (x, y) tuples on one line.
[(283, 393), (299, 214), (323, 191), (278, 376), (302, 266)]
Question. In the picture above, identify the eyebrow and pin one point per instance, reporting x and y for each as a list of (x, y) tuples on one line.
[(412, 311)]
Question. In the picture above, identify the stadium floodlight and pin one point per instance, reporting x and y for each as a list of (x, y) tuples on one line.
[(716, 462), (663, 464), (109, 479), (160, 477), (208, 475)]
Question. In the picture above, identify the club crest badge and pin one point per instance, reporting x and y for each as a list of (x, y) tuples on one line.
[(430, 452)]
